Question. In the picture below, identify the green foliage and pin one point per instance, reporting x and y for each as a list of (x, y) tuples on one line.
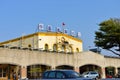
[(108, 36)]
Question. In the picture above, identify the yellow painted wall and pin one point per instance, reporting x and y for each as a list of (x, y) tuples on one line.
[(38, 41)]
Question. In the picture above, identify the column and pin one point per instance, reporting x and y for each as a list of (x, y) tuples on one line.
[(23, 72), (103, 73), (116, 71), (53, 68), (76, 69)]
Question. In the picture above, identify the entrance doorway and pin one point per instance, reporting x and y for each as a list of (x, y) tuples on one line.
[(91, 67), (35, 71), (7, 70), (110, 72)]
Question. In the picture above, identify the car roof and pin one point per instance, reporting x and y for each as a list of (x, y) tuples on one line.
[(91, 71), (60, 70)]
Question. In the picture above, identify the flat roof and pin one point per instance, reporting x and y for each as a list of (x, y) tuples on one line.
[(42, 34)]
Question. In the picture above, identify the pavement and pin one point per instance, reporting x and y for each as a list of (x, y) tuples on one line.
[(111, 79)]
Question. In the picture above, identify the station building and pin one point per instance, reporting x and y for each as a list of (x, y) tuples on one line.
[(30, 55), (48, 41)]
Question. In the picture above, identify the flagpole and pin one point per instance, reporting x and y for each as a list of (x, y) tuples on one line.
[(63, 25)]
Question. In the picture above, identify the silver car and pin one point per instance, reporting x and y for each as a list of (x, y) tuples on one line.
[(91, 74), (62, 75)]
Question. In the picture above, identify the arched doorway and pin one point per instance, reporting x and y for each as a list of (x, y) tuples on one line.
[(35, 71), (118, 69), (46, 47), (63, 48), (110, 72), (90, 67), (65, 67), (55, 47), (70, 49), (7, 71)]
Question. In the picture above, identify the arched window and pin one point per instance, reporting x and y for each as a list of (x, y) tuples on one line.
[(77, 49), (55, 47), (63, 48), (71, 49), (46, 47), (29, 46)]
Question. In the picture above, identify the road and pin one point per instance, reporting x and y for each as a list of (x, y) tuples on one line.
[(112, 79)]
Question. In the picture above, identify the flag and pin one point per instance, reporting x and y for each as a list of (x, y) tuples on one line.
[(49, 28), (58, 29), (78, 34), (72, 33), (63, 24), (65, 31), (40, 26)]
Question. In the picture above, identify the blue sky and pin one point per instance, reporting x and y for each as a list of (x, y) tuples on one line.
[(19, 17)]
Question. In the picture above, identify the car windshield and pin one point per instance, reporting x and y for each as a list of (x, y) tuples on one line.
[(72, 74), (85, 73), (93, 72)]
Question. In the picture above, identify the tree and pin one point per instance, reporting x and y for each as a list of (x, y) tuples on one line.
[(108, 35)]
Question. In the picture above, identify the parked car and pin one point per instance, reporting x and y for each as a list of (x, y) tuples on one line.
[(62, 75), (109, 76), (91, 74), (118, 75)]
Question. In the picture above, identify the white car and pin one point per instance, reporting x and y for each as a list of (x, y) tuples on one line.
[(91, 74)]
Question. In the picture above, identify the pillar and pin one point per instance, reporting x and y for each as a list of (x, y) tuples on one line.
[(103, 73), (23, 72), (116, 71), (53, 68), (76, 69)]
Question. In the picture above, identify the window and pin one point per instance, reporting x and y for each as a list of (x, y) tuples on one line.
[(46, 74), (51, 75), (3, 72), (72, 74), (93, 73), (71, 49), (63, 48), (54, 47), (60, 75), (29, 46), (77, 50), (46, 47), (0, 72)]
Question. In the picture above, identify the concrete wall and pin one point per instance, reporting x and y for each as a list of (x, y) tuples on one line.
[(26, 57)]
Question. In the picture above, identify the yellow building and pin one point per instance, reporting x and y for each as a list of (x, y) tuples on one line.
[(46, 41), (30, 55)]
